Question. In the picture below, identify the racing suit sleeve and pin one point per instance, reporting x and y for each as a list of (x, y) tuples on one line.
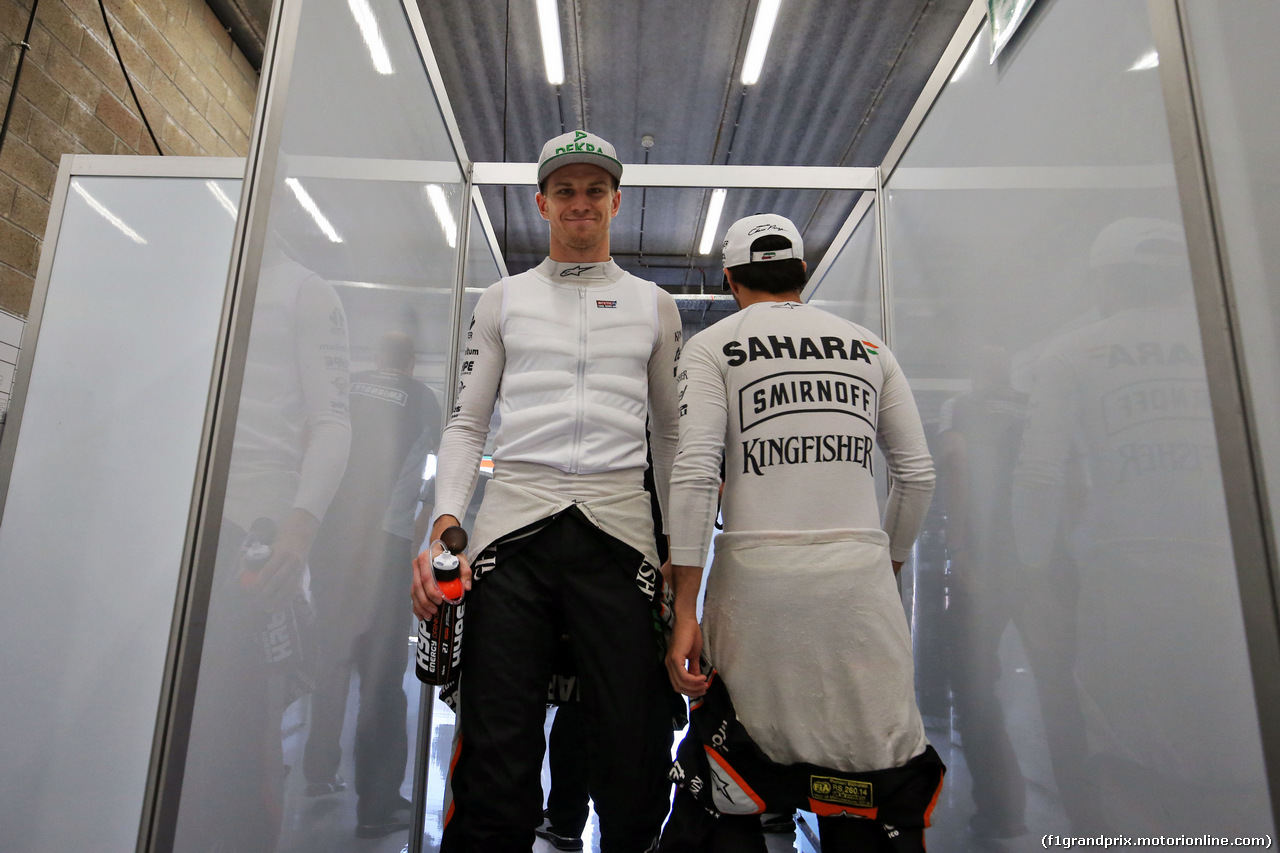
[(321, 352), (695, 476), (901, 438), (664, 417), (479, 376)]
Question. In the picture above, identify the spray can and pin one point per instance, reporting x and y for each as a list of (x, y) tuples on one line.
[(440, 637)]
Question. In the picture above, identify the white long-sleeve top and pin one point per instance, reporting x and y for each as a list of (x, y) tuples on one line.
[(797, 399), (294, 430), (576, 356), (802, 618)]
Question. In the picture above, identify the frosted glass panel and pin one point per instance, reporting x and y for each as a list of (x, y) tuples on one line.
[(306, 705), (96, 513), (1078, 550), (850, 287), (1233, 48), (368, 94)]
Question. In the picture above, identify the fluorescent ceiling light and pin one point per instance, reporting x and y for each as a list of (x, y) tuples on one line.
[(223, 199), (761, 30), (1147, 61), (106, 214), (966, 61), (440, 205), (372, 35), (310, 206), (713, 222), (549, 27)]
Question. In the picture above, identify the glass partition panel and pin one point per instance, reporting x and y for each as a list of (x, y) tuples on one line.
[(1238, 82), (96, 510), (306, 697), (1081, 656), (482, 269), (850, 286)]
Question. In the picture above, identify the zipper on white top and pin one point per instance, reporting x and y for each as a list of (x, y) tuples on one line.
[(580, 403)]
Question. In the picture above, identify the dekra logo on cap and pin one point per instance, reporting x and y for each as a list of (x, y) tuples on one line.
[(576, 145)]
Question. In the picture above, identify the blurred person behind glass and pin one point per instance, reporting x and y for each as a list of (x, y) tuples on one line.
[(360, 566), (1163, 708), (980, 433), (288, 456)]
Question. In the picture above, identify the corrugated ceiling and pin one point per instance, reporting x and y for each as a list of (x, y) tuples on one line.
[(838, 82)]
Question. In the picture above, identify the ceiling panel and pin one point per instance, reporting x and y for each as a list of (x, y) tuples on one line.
[(838, 81)]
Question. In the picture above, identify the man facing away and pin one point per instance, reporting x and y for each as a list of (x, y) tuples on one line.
[(576, 353), (803, 621)]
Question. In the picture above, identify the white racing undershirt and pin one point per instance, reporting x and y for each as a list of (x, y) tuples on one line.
[(802, 617), (576, 355), (797, 399)]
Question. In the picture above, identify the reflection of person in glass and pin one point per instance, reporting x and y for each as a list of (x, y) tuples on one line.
[(1165, 705), (359, 568), (289, 452), (577, 353), (979, 436)]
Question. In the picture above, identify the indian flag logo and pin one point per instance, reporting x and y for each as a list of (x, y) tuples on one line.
[(874, 349)]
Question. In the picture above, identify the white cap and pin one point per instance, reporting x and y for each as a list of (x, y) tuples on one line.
[(1139, 240), (578, 146), (744, 232)]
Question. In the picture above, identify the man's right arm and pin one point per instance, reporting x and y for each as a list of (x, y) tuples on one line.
[(695, 474), (684, 649), (695, 489), (463, 439), (462, 443)]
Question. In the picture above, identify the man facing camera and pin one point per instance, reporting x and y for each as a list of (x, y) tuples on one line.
[(577, 354), (811, 701)]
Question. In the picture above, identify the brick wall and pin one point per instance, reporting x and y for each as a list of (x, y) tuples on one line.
[(195, 86)]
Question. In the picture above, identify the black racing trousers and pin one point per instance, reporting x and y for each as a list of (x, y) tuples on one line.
[(569, 577), (743, 834), (569, 760)]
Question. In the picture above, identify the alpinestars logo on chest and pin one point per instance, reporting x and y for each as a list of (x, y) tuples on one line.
[(575, 271)]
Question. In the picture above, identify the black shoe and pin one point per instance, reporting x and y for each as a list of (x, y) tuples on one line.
[(321, 789), (560, 842), (401, 817), (778, 823)]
